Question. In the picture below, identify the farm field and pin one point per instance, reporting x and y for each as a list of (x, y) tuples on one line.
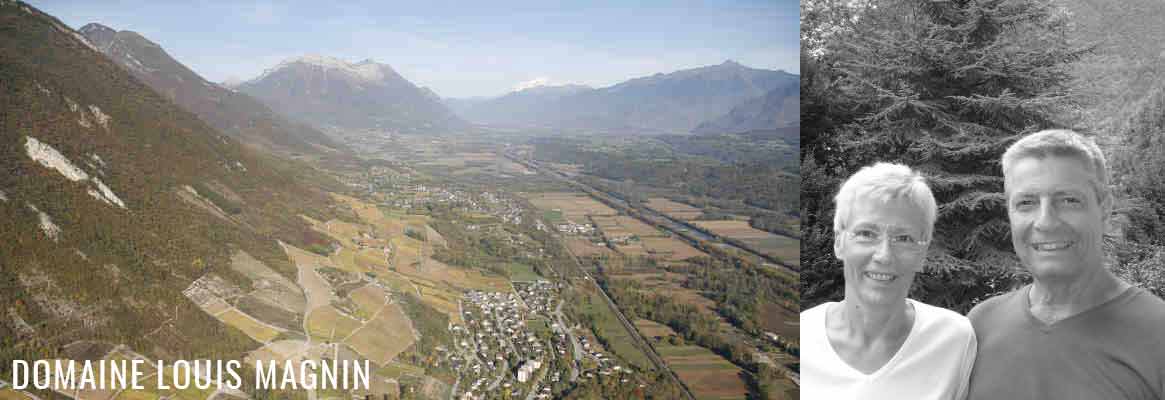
[(653, 330), (632, 249), (257, 330), (406, 266), (633, 237), (279, 351), (466, 165), (583, 247), (439, 273), (216, 306), (673, 209), (733, 229), (574, 206), (270, 314), (671, 249), (637, 227), (385, 336), (779, 320), (522, 272), (784, 248), (210, 294), (328, 323), (619, 340), (707, 374), (553, 216), (397, 369), (369, 298), (270, 287)]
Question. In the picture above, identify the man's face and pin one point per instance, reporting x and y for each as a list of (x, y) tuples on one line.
[(1057, 222), (881, 271)]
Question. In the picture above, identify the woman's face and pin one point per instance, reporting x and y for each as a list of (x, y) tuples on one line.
[(881, 249)]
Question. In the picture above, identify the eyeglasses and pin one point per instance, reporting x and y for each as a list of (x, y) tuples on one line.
[(872, 236)]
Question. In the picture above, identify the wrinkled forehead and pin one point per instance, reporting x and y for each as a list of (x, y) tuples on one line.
[(1050, 174)]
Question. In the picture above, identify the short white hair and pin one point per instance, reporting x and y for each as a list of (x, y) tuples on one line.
[(883, 182), (1061, 143)]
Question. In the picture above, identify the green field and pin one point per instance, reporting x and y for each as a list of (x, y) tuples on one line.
[(538, 326), (523, 272), (396, 370), (552, 216), (607, 326)]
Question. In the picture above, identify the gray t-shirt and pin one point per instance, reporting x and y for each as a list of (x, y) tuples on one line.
[(1113, 351)]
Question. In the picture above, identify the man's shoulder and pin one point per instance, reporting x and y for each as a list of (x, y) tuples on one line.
[(1147, 308), (1144, 298), (991, 306)]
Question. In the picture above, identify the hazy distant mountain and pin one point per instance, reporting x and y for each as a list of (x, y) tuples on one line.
[(514, 107), (233, 113), (460, 105), (779, 108), (326, 92), (113, 199), (676, 102)]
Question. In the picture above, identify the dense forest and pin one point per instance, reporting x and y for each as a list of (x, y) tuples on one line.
[(929, 84)]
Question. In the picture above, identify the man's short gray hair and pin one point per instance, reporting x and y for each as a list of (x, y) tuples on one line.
[(883, 182), (1061, 143)]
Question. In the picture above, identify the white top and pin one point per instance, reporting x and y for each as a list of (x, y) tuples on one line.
[(934, 362)]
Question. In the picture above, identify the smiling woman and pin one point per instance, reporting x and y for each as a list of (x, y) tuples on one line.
[(876, 343)]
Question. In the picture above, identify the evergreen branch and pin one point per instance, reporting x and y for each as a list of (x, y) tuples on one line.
[(974, 200)]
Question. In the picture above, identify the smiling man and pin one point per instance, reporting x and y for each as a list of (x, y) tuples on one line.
[(876, 343), (1078, 331)]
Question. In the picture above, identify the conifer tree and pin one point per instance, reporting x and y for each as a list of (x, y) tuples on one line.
[(944, 87)]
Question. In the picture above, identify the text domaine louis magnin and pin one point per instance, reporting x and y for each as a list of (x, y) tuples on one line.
[(183, 374)]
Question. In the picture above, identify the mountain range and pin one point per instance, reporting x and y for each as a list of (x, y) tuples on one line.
[(779, 108), (702, 99), (286, 108), (328, 92), (235, 114)]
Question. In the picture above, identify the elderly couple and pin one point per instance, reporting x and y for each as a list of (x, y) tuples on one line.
[(1076, 332)]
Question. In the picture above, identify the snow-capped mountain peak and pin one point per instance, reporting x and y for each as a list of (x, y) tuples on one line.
[(367, 70)]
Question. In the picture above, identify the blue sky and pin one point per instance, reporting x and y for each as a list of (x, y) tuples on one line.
[(459, 49)]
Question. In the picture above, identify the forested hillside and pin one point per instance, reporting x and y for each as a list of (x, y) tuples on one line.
[(113, 200)]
